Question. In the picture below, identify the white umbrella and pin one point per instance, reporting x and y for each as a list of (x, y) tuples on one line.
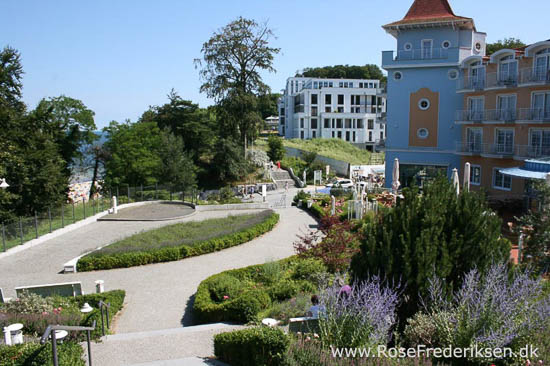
[(456, 181), (395, 176), (548, 179), (467, 177)]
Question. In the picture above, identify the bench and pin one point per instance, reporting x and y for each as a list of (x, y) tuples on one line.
[(66, 289), (3, 299), (305, 324)]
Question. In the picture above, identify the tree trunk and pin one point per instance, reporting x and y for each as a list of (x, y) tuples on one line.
[(94, 176)]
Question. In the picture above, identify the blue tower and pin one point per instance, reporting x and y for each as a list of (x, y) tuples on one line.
[(422, 94)]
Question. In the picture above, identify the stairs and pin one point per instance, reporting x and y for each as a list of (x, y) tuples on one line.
[(281, 177), (187, 346)]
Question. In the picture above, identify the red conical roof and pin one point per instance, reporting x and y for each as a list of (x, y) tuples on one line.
[(429, 11)]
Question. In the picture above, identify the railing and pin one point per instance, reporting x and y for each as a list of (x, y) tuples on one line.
[(503, 115), (469, 83), (534, 114), (104, 314), (468, 115), (532, 152), (50, 333), (423, 54), (469, 147), (498, 149), (487, 80), (530, 75)]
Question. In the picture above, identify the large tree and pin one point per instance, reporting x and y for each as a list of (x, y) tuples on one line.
[(230, 67), (501, 44), (368, 71)]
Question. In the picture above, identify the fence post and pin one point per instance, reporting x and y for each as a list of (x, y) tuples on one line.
[(62, 215), (128, 194), (4, 236), (36, 224), (88, 336), (170, 193), (73, 213), (21, 228), (50, 217), (54, 348), (141, 196), (84, 203), (156, 190)]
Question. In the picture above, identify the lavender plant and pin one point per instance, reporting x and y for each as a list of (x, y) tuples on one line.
[(362, 317)]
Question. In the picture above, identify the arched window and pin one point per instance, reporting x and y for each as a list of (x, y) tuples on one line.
[(477, 75), (542, 65), (508, 69)]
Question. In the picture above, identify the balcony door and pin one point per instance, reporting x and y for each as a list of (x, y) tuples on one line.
[(475, 109), (539, 143), (474, 139), (542, 65), (504, 141), (426, 50), (541, 106), (508, 70), (477, 76), (506, 107)]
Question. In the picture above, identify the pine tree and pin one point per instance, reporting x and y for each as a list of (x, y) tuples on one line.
[(433, 234)]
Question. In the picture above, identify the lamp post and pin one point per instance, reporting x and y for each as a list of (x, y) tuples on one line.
[(3, 185)]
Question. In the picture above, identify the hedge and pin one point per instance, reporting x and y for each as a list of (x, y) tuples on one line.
[(34, 354), (114, 298), (131, 259), (252, 346)]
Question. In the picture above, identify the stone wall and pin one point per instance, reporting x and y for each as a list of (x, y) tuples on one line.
[(337, 166)]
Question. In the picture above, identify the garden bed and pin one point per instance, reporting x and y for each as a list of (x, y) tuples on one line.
[(175, 242)]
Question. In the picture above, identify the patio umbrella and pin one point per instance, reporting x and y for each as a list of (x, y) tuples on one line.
[(548, 179), (456, 181), (467, 177), (395, 176)]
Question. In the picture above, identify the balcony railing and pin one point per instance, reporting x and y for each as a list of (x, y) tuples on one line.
[(469, 83), (381, 117), (498, 149), (532, 152), (487, 80), (537, 76), (534, 114), (488, 115), (423, 54), (469, 148)]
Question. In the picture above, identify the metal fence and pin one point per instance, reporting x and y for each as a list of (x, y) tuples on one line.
[(27, 228)]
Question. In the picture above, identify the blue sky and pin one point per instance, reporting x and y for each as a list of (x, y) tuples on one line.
[(119, 56)]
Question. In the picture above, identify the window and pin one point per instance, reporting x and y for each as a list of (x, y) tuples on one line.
[(542, 65), (340, 84), (453, 74), (407, 46), (340, 98), (330, 84), (339, 134), (328, 98), (314, 111), (340, 109), (422, 133), (332, 134), (338, 123), (351, 84), (475, 175), (314, 98), (381, 135), (506, 107), (475, 109), (327, 123), (541, 106), (354, 139), (370, 136), (501, 181), (360, 123), (539, 143), (397, 75), (347, 135), (477, 76), (302, 135), (348, 123), (504, 141), (327, 109), (424, 104), (370, 123), (427, 48), (445, 44), (508, 70), (301, 123), (314, 123), (315, 85), (360, 85), (355, 100), (314, 134), (474, 138)]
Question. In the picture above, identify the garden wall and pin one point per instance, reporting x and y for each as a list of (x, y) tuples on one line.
[(337, 166)]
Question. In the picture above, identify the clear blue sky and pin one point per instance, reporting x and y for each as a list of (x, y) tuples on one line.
[(119, 57)]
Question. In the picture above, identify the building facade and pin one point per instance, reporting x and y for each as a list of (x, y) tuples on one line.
[(432, 42), (351, 110), (505, 116)]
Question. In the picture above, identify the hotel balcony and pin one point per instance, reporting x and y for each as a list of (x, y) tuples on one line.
[(497, 150), (531, 152), (534, 76), (533, 115), (381, 117), (468, 148), (485, 81), (492, 116), (418, 56)]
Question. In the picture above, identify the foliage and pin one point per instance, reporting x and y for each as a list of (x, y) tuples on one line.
[(436, 234), (28, 303), (495, 310), (362, 317), (252, 346), (34, 354), (175, 242), (535, 225), (335, 149), (276, 151), (114, 298), (267, 104), (334, 244), (510, 43), (285, 310), (258, 290), (177, 167), (229, 163), (343, 72)]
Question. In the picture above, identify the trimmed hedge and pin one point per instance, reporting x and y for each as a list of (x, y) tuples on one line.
[(249, 291), (139, 258), (116, 300), (34, 354), (252, 347)]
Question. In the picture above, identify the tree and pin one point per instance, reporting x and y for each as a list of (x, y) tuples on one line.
[(232, 60), (510, 43), (267, 105), (11, 74), (434, 234), (229, 163), (276, 150), (177, 166), (369, 71)]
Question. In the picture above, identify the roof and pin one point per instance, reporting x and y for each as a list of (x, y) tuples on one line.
[(523, 173), (429, 12)]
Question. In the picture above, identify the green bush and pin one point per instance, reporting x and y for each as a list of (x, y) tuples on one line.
[(246, 307), (291, 308), (252, 347), (308, 269), (316, 210), (225, 285), (283, 290), (166, 254), (161, 194), (33, 354)]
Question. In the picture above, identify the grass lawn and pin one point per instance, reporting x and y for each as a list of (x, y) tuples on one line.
[(186, 234)]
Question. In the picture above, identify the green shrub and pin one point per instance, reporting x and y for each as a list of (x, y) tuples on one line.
[(316, 210), (271, 272), (225, 285), (247, 306), (161, 194), (301, 196), (283, 290), (33, 354), (291, 308), (29, 303), (308, 269), (252, 347), (114, 298), (164, 254)]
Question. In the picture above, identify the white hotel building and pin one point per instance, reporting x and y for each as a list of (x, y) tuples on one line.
[(353, 110)]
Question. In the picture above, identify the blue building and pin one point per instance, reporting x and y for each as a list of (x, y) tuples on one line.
[(421, 98)]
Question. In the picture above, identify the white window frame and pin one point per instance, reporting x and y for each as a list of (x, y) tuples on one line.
[(530, 138), (480, 69), (473, 114), (514, 109), (470, 143), (545, 107), (472, 167), (508, 59), (449, 46), (541, 54), (506, 129), (495, 170), (422, 49)]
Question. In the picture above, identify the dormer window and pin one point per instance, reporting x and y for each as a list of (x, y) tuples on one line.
[(508, 70), (542, 65), (477, 75)]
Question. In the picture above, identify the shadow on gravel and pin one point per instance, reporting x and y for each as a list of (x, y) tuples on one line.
[(188, 318)]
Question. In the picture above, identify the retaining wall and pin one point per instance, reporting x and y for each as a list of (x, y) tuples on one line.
[(337, 166)]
